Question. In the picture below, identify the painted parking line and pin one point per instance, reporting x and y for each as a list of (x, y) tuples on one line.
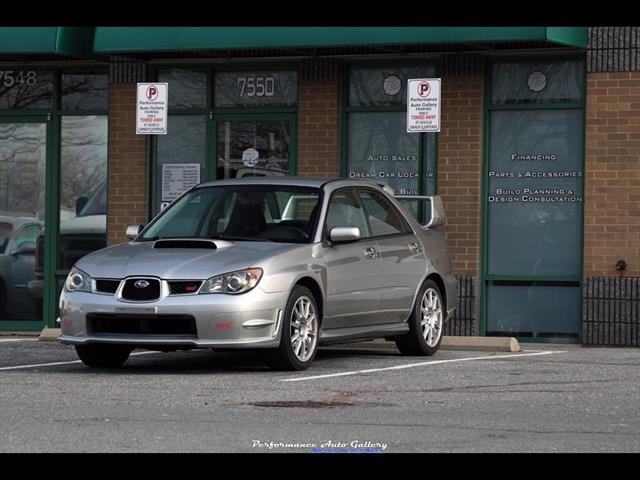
[(3, 340), (420, 364), (17, 367)]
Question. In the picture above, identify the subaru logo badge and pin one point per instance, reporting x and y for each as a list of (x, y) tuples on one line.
[(141, 284)]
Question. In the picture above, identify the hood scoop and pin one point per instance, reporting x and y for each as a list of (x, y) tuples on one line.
[(182, 243)]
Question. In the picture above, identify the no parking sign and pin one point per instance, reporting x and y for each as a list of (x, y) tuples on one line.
[(151, 111), (423, 105)]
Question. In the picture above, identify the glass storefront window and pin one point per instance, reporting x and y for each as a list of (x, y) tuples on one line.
[(383, 87), (537, 82), (381, 149), (538, 309), (85, 91), (24, 89), (180, 157), (253, 148), (22, 207), (203, 144), (535, 192), (187, 88), (276, 88), (83, 187)]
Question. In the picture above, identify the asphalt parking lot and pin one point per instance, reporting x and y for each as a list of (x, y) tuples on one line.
[(356, 398)]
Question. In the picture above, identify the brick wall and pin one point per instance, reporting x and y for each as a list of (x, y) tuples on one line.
[(460, 169), (319, 127), (612, 173), (127, 164)]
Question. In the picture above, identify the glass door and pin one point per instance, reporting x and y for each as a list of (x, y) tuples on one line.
[(254, 146), (23, 162)]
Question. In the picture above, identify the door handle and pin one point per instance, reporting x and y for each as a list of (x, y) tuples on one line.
[(370, 252), (414, 247)]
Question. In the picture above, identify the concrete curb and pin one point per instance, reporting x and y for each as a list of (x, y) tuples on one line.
[(493, 344), (49, 335)]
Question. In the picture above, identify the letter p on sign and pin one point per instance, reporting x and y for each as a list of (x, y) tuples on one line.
[(424, 89)]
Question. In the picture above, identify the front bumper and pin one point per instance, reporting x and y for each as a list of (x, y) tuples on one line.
[(249, 320)]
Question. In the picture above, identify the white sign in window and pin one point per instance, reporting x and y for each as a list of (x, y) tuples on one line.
[(151, 111), (423, 105), (177, 178)]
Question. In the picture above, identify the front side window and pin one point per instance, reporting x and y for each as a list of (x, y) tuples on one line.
[(382, 216), (345, 210), (241, 212)]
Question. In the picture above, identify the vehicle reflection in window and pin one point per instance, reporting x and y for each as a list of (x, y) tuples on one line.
[(86, 232), (17, 248)]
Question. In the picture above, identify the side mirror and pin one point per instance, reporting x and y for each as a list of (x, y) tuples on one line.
[(133, 230), (344, 234), (438, 217), (80, 204)]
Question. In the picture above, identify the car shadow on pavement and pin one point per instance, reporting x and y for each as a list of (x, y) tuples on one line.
[(224, 362)]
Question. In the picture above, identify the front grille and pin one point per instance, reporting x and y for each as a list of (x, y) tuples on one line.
[(107, 286), (184, 287), (141, 324), (141, 294)]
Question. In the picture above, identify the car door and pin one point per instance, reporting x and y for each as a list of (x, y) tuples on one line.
[(22, 251), (403, 263), (353, 269)]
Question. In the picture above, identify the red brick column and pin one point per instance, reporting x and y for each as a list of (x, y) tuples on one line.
[(460, 169), (319, 127), (127, 164), (612, 174)]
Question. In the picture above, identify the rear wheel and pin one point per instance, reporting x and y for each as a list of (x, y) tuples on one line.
[(101, 355), (299, 336), (426, 323)]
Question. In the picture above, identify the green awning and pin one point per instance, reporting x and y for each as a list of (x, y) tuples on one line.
[(165, 39), (65, 41)]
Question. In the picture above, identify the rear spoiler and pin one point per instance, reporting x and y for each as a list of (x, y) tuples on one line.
[(435, 208)]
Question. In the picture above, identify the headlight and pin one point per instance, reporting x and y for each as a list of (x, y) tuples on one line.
[(234, 282), (77, 281)]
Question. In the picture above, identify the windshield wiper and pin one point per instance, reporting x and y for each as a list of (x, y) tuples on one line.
[(222, 236)]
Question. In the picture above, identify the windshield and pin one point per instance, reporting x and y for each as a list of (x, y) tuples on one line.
[(274, 213), (97, 203)]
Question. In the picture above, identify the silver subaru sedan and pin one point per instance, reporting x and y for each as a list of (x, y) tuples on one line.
[(281, 264)]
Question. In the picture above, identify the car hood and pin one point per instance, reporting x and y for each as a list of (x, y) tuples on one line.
[(141, 258), (87, 224)]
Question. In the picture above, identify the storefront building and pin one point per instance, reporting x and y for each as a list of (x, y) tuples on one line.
[(536, 160)]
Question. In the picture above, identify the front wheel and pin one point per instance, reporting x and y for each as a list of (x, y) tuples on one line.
[(426, 323), (299, 336), (101, 355)]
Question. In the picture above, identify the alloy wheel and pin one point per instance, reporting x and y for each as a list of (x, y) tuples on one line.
[(304, 328), (431, 317)]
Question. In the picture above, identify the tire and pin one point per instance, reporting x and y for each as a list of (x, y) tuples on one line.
[(100, 355), (426, 323), (287, 357)]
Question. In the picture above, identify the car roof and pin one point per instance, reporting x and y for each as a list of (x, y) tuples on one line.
[(17, 222), (288, 180)]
